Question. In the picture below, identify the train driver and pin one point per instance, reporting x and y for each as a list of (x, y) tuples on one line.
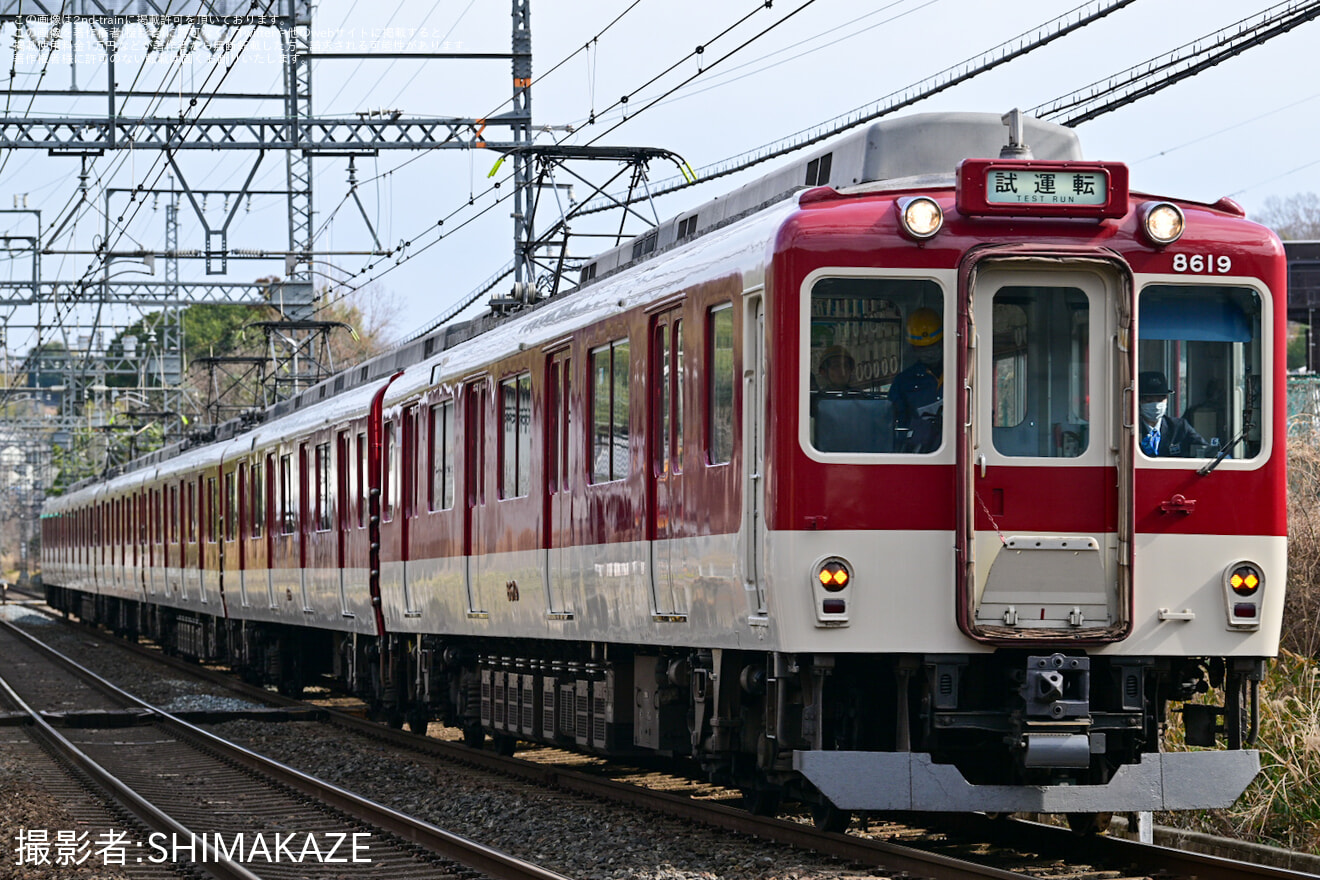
[(835, 372), (1162, 434), (918, 391)]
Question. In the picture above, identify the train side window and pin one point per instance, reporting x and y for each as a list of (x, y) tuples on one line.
[(442, 456), (231, 505), (1202, 346), (719, 412), (363, 485), (288, 518), (258, 496), (324, 500), (516, 436), (389, 489), (609, 412), (212, 521), (192, 511), (678, 384), (869, 387), (557, 424)]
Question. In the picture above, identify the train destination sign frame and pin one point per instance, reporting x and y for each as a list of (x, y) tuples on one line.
[(989, 187)]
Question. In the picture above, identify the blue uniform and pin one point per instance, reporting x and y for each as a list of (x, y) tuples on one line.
[(918, 395)]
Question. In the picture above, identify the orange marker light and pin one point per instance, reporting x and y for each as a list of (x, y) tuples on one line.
[(834, 576), (1244, 580)]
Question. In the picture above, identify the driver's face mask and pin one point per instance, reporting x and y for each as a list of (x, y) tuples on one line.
[(1153, 412), (930, 355)]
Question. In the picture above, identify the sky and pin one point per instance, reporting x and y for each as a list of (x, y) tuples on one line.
[(1246, 128)]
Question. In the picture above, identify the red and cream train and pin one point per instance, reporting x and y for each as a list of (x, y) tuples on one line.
[(635, 517)]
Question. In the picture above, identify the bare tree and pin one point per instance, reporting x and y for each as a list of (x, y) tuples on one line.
[(1295, 218)]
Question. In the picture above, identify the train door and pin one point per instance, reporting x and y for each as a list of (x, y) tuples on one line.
[(559, 483), (274, 523), (1045, 470), (305, 525), (344, 501), (474, 491), (231, 578), (668, 599), (142, 565), (203, 534), (754, 459), (244, 529), (408, 505)]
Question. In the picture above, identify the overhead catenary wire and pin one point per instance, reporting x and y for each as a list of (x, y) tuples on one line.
[(74, 301), (407, 245), (1273, 23)]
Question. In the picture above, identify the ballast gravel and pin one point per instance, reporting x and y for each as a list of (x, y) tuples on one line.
[(566, 833)]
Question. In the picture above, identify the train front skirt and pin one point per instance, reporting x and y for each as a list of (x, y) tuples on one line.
[(856, 780)]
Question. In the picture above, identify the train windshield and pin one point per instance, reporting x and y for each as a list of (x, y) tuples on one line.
[(876, 365), (1199, 366)]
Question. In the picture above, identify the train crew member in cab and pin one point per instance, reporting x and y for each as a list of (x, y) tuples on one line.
[(836, 370), (1163, 435), (918, 391)]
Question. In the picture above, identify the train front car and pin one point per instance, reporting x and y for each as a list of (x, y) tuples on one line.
[(1025, 481)]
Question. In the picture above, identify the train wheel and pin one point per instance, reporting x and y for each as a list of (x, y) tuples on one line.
[(473, 736), (762, 799), (1089, 823), (419, 720), (505, 745), (828, 817)]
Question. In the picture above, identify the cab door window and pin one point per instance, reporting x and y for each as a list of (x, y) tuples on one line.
[(1041, 355)]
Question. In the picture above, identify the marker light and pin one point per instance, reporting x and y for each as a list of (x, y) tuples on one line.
[(1244, 580), (1164, 223), (920, 216), (834, 575)]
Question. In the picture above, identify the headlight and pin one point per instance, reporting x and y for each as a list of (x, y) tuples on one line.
[(1163, 223), (920, 216)]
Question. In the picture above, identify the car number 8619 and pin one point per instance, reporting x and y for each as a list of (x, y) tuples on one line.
[(1208, 263)]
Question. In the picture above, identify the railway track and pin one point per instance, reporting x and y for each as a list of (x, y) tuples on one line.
[(943, 849), (230, 812)]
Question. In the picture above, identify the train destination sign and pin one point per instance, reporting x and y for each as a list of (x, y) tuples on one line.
[(1024, 187), (1055, 189)]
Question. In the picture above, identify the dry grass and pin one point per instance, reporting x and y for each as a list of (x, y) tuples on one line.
[(1282, 807)]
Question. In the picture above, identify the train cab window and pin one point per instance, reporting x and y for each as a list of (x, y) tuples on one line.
[(1199, 362), (875, 365), (441, 494), (516, 436), (1041, 346), (609, 412)]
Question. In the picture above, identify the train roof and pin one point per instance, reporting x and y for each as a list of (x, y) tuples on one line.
[(909, 148)]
